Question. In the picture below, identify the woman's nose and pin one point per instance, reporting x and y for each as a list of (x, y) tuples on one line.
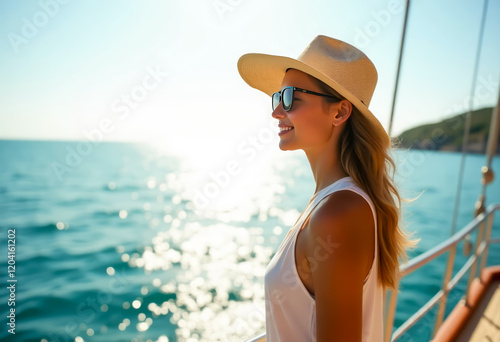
[(278, 112)]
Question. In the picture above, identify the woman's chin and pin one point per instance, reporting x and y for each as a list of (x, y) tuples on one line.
[(286, 147)]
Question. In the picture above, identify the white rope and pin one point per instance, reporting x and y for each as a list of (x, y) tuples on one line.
[(467, 120), (394, 96)]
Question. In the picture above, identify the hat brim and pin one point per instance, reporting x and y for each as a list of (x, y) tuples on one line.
[(266, 72)]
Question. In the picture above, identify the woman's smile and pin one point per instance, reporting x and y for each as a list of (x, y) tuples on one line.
[(285, 129)]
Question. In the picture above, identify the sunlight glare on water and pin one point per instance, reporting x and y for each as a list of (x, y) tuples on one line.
[(218, 291), (218, 252)]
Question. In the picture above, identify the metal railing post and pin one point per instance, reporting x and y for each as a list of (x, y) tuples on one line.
[(487, 239), (473, 268), (391, 310), (446, 281)]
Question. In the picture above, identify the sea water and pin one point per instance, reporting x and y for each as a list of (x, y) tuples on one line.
[(121, 242)]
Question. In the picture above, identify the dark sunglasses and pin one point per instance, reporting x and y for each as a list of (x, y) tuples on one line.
[(286, 97)]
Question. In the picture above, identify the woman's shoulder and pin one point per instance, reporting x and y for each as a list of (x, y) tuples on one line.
[(344, 217), (349, 204)]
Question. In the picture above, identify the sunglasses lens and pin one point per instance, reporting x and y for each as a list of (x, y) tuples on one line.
[(276, 100), (287, 98)]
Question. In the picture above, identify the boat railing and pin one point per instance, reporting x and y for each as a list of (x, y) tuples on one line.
[(258, 338), (483, 241)]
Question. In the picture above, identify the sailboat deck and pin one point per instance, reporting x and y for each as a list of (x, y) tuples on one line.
[(478, 318), (484, 323)]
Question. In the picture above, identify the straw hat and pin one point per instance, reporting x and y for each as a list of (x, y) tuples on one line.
[(338, 64)]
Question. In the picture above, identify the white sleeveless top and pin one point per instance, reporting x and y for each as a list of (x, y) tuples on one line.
[(290, 309)]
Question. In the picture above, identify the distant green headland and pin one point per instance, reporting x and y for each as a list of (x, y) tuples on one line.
[(447, 135)]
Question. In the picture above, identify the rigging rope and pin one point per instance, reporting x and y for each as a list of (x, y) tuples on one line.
[(389, 131), (468, 119)]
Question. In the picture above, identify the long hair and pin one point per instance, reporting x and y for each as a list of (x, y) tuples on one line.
[(369, 163)]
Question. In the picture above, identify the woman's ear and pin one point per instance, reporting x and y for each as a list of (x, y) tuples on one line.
[(342, 111)]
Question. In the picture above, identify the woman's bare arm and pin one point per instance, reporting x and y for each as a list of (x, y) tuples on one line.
[(340, 248)]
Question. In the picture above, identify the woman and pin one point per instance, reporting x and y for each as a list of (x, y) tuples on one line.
[(327, 280)]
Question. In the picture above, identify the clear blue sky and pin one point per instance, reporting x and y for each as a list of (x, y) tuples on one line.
[(68, 68)]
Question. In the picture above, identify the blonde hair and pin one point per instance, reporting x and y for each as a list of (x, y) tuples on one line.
[(364, 157)]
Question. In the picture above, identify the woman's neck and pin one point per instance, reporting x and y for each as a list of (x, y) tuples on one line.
[(325, 167)]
